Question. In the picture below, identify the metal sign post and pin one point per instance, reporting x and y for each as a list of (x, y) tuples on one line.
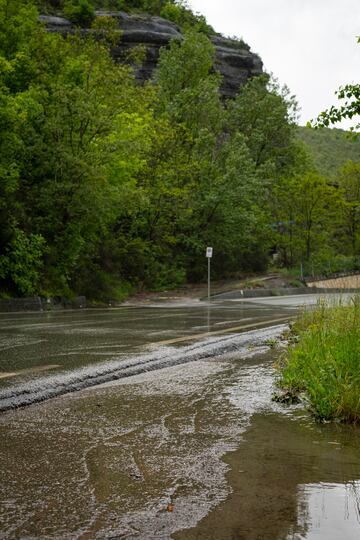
[(209, 254)]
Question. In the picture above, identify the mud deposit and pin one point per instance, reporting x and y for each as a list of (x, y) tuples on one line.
[(192, 450)]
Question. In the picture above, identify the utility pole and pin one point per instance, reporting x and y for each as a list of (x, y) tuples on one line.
[(209, 253)]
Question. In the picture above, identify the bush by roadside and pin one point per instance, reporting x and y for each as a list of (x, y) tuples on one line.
[(322, 364)]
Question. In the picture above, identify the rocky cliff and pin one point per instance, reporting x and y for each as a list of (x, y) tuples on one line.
[(233, 60)]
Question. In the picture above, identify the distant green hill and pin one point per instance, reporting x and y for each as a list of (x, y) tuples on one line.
[(330, 148)]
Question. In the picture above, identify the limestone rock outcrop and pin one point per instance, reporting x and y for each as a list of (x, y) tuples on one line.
[(233, 60)]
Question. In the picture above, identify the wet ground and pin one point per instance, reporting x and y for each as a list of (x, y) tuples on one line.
[(76, 338), (48, 354), (196, 449), (34, 343), (290, 480)]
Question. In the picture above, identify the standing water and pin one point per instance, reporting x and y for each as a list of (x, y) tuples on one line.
[(192, 449)]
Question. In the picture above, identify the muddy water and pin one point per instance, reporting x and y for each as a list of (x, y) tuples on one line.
[(107, 462), (290, 480), (196, 447)]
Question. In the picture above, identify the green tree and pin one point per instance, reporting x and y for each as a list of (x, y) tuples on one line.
[(80, 12), (349, 96), (349, 184), (69, 187), (229, 210), (266, 115), (304, 208), (107, 185), (188, 90), (23, 260), (58, 122)]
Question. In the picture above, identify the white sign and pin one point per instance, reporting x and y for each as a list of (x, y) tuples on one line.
[(209, 252)]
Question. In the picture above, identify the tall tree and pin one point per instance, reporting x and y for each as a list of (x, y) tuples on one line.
[(349, 183), (304, 208), (266, 115)]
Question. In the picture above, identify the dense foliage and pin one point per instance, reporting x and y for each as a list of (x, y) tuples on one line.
[(106, 186), (323, 365)]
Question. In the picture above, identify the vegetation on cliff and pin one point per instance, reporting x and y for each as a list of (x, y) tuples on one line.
[(82, 12), (107, 185)]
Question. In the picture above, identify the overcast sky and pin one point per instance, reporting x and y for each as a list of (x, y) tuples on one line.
[(309, 45)]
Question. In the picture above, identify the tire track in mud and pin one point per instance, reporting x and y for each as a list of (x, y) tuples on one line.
[(164, 356)]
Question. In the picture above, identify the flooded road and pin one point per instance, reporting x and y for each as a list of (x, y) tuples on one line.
[(49, 354), (72, 339), (193, 448)]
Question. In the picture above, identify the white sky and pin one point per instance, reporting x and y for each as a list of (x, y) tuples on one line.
[(309, 45)]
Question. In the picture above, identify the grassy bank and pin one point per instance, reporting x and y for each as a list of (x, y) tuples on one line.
[(323, 363)]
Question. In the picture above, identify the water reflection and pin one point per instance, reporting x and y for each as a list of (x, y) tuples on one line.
[(328, 511), (291, 479), (76, 339)]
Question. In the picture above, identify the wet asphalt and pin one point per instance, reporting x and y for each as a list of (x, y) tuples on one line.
[(72, 339), (194, 448)]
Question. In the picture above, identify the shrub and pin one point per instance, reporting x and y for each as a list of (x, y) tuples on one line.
[(79, 12), (181, 14), (22, 262)]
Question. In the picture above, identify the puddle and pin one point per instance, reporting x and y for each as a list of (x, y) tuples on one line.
[(328, 511), (289, 482)]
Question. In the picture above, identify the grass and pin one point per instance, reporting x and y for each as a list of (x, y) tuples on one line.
[(322, 364), (252, 284)]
